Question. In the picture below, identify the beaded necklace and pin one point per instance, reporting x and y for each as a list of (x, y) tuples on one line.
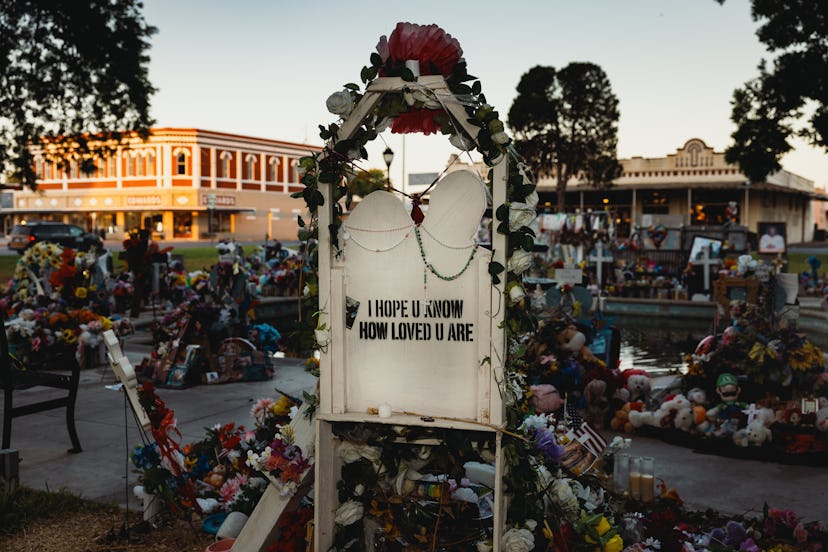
[(348, 237), (431, 266)]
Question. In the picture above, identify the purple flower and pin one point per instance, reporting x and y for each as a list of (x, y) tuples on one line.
[(717, 536), (546, 443), (749, 546), (735, 533)]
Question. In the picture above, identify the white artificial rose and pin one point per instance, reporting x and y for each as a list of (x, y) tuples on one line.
[(518, 540), (520, 261), (532, 200), (484, 546), (359, 489), (383, 124), (520, 214), (427, 99), (349, 512), (531, 524), (340, 103), (516, 293), (351, 452)]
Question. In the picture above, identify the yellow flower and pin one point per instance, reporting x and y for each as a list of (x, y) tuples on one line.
[(80, 293), (68, 336), (106, 323), (615, 544), (282, 406), (757, 353), (603, 526)]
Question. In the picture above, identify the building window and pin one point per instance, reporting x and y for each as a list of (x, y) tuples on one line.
[(73, 168), (130, 165), (150, 163), (47, 170), (181, 163), (655, 203), (273, 169), (250, 167), (226, 158)]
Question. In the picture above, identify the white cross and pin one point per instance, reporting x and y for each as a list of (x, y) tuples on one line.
[(599, 259), (706, 262), (751, 412)]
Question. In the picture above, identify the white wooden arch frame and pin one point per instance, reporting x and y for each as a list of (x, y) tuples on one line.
[(260, 531)]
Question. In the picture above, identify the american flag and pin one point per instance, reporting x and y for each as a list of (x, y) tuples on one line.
[(590, 439)]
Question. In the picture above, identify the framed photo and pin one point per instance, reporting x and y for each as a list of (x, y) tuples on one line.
[(700, 243), (726, 290), (810, 406), (773, 238)]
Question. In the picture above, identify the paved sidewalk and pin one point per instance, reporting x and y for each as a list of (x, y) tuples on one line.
[(102, 471)]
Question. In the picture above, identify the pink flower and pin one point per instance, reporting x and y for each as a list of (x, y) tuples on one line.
[(800, 534), (790, 518), (231, 488), (260, 408)]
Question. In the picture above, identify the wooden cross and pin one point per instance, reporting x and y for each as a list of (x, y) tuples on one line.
[(599, 259), (706, 262)]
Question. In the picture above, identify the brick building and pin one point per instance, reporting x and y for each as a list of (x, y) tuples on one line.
[(181, 183)]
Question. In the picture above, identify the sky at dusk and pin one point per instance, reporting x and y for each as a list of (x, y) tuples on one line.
[(265, 68)]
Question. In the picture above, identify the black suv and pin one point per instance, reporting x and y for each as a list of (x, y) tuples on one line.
[(23, 236)]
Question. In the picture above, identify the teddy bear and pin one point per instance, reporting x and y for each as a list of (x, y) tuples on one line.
[(597, 404), (640, 418), (698, 401), (545, 398), (571, 339), (685, 420), (621, 420), (665, 415), (637, 385), (755, 434)]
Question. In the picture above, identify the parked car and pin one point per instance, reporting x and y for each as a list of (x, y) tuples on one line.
[(23, 236)]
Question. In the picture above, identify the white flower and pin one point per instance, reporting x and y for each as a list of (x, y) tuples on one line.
[(520, 261), (349, 512), (516, 293), (520, 214), (534, 422), (532, 199), (484, 546), (531, 524), (426, 98), (340, 103), (351, 452), (518, 540)]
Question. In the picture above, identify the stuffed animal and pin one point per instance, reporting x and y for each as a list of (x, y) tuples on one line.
[(757, 433), (641, 418), (822, 419), (573, 340), (545, 398), (621, 420), (637, 384), (665, 415), (597, 404), (684, 419)]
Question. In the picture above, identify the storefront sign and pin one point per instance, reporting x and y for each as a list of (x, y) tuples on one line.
[(143, 200), (220, 200)]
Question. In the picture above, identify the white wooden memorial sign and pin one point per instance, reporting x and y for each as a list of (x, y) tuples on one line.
[(411, 297)]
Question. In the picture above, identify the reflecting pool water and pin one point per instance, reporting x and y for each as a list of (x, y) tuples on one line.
[(658, 345)]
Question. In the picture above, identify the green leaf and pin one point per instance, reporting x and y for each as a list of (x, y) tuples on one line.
[(408, 75), (320, 199), (297, 195), (327, 177), (495, 268), (477, 88), (363, 75), (502, 212), (503, 227), (376, 60), (352, 86), (300, 221), (528, 243)]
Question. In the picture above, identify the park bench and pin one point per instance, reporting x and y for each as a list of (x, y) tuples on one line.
[(15, 376)]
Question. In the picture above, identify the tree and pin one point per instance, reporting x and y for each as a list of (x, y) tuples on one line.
[(73, 80), (566, 125), (789, 99), (365, 182)]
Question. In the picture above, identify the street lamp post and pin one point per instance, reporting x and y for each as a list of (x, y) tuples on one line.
[(388, 156)]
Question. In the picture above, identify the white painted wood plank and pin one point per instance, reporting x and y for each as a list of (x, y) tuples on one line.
[(126, 375)]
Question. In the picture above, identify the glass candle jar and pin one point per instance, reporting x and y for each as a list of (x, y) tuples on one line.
[(647, 480), (621, 473), (635, 478)]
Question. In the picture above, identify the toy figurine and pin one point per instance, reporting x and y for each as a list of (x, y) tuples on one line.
[(727, 387)]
